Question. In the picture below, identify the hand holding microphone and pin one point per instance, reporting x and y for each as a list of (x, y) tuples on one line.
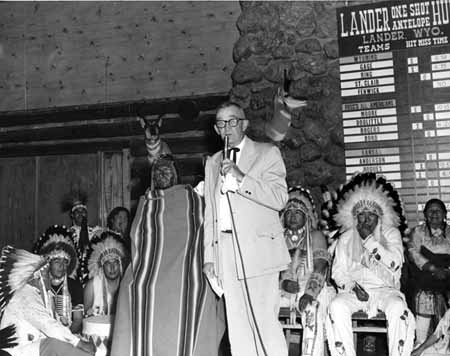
[(229, 170), (226, 148)]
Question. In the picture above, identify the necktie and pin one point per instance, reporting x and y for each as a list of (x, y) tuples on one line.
[(232, 153)]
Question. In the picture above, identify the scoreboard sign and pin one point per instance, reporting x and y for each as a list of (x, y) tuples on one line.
[(395, 89)]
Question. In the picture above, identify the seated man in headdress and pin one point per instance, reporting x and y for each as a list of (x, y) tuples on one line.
[(66, 293), (106, 261), (367, 265), (25, 303), (165, 304), (303, 283)]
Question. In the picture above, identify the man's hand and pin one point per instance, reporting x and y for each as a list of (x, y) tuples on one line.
[(304, 301), (290, 286), (228, 166), (360, 292), (208, 269), (86, 346), (364, 231), (90, 312)]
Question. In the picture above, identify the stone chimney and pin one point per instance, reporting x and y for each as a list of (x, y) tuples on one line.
[(300, 37)]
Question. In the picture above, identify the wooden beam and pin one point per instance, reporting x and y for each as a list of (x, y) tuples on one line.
[(183, 144), (111, 110), (89, 129), (62, 147), (98, 129), (206, 143)]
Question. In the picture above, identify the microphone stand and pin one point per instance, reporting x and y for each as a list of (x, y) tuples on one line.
[(241, 259)]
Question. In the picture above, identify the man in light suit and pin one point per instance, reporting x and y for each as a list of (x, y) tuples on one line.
[(244, 248)]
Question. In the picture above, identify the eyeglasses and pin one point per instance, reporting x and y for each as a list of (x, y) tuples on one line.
[(232, 123)]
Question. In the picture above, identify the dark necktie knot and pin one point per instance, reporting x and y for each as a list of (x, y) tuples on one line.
[(232, 153)]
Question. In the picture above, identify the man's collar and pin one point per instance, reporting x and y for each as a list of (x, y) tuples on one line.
[(242, 143)]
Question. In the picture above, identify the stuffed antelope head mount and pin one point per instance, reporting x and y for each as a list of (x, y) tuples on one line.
[(283, 107), (155, 146)]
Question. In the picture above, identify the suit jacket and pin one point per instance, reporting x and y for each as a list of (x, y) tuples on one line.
[(255, 206)]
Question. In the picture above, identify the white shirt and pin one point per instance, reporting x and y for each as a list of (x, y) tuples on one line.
[(224, 208)]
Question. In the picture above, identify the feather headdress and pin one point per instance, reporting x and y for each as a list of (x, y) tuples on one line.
[(57, 241), (75, 199), (301, 199), (16, 269), (367, 192), (106, 247)]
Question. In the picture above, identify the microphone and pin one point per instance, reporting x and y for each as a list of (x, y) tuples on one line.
[(226, 148)]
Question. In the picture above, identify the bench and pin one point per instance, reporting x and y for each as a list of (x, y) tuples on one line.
[(360, 318), (291, 322)]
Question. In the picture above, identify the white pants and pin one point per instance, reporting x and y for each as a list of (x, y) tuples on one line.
[(325, 296), (264, 298), (312, 336), (432, 351), (400, 323), (422, 328)]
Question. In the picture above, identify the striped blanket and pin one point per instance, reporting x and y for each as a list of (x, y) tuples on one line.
[(164, 298)]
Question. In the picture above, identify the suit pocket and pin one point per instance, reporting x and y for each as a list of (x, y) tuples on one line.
[(271, 232)]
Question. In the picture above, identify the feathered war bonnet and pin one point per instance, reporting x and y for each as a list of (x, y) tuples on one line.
[(104, 248), (17, 267), (301, 199), (73, 200), (57, 241), (367, 192)]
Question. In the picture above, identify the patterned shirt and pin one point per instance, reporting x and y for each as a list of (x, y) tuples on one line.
[(420, 236)]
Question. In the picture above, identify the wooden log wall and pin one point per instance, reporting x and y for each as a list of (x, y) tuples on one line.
[(17, 203), (31, 189), (78, 53), (74, 76), (98, 147)]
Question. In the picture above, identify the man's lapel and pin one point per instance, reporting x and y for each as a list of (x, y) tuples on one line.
[(215, 169), (247, 156)]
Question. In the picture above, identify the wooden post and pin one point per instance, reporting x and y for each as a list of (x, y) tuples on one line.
[(126, 177)]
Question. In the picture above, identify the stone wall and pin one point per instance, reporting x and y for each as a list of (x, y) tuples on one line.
[(302, 38)]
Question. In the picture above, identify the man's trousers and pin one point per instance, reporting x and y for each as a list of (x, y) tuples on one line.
[(53, 347), (400, 321), (263, 297)]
